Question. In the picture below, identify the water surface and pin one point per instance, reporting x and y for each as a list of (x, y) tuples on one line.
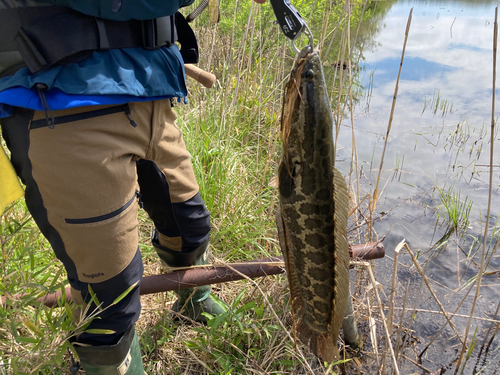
[(439, 140)]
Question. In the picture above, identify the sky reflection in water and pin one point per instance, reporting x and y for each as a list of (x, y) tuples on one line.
[(448, 54), (458, 68)]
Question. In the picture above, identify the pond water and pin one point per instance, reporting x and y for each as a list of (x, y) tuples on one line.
[(438, 146)]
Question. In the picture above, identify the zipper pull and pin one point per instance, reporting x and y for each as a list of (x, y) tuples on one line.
[(126, 109), (49, 116)]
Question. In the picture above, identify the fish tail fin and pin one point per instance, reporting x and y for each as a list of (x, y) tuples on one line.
[(323, 345)]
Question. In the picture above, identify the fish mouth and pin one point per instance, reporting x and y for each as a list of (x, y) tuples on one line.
[(304, 52)]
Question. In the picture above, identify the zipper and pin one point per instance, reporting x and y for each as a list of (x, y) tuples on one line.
[(51, 121), (96, 219)]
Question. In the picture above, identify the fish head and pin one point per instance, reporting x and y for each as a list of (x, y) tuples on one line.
[(302, 125)]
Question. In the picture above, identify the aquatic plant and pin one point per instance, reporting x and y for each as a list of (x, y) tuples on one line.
[(454, 209)]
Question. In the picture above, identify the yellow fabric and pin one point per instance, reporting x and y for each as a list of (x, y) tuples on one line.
[(10, 188)]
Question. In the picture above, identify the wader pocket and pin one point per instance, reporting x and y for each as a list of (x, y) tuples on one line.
[(96, 219)]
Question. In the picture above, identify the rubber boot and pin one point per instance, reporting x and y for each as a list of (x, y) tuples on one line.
[(191, 302), (123, 358)]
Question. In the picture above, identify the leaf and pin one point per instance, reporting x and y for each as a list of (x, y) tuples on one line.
[(400, 246), (219, 302), (125, 293), (238, 323), (218, 320), (30, 340), (371, 286), (209, 317), (93, 297), (237, 300), (246, 307), (99, 331), (69, 312), (373, 331)]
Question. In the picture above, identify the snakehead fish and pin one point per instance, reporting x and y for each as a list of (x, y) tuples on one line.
[(312, 222)]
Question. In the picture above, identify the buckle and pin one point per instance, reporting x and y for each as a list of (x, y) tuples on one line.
[(157, 32), (149, 35)]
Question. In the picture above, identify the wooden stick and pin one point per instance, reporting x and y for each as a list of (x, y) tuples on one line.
[(202, 76), (189, 277)]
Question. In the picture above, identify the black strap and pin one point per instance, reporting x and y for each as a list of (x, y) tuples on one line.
[(187, 40), (49, 35)]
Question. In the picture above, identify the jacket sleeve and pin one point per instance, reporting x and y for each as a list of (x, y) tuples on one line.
[(123, 10)]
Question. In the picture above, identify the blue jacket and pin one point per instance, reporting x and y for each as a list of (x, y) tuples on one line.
[(106, 77)]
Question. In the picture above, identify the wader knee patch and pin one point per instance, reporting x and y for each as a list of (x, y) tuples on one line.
[(172, 243)]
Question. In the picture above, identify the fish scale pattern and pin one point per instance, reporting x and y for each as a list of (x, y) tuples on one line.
[(313, 209)]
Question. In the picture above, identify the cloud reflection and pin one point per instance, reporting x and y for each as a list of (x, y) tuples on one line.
[(455, 65)]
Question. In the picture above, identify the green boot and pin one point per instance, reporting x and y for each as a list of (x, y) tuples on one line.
[(123, 358), (191, 302)]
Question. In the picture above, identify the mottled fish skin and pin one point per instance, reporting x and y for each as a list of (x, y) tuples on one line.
[(313, 204)]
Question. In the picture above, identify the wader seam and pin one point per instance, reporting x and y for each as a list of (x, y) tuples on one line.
[(149, 147), (155, 124)]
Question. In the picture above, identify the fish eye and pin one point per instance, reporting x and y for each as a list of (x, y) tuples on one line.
[(309, 74)]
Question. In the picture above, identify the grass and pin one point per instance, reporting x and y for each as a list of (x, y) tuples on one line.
[(29, 268), (437, 105), (455, 211)]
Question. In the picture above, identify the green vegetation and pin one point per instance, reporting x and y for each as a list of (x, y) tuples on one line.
[(455, 210), (33, 337), (232, 132)]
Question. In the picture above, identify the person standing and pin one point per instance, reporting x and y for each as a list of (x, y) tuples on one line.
[(85, 110)]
